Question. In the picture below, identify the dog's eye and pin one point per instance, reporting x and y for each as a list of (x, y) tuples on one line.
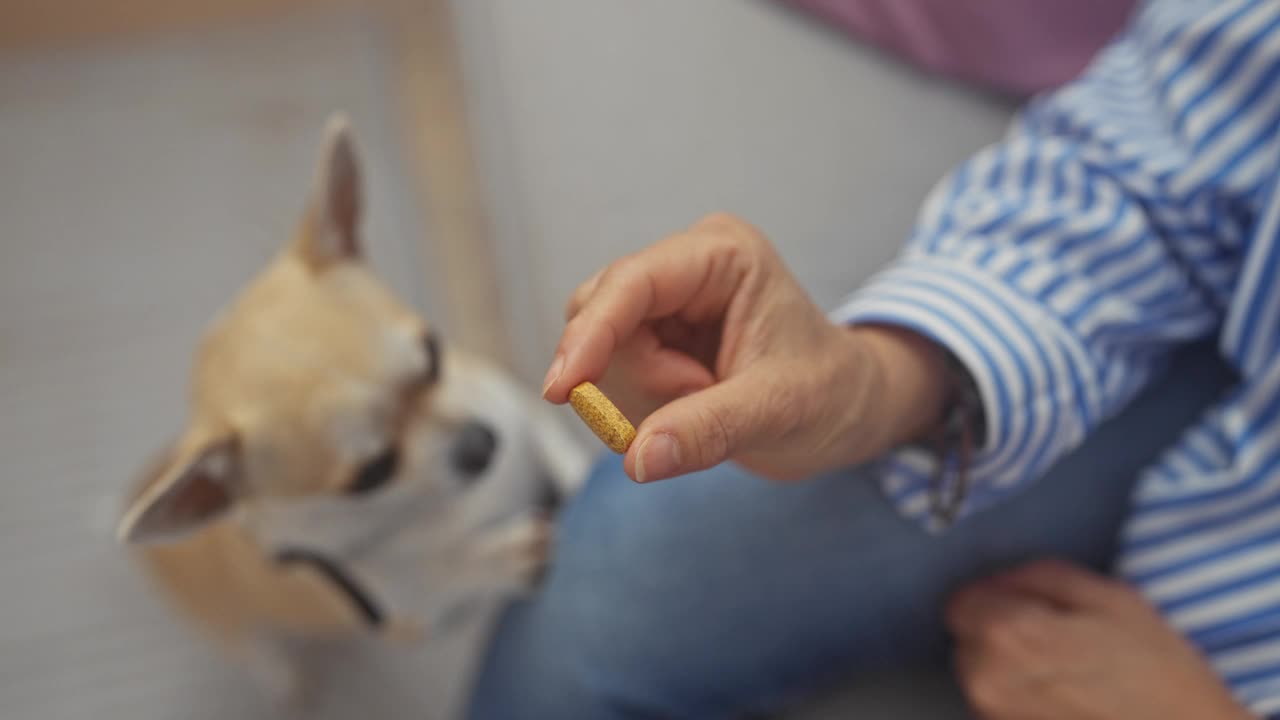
[(431, 346), (376, 472)]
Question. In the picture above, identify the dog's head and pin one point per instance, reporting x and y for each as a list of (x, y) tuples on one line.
[(316, 381)]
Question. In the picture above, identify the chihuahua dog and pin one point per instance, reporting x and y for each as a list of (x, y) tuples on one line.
[(340, 472)]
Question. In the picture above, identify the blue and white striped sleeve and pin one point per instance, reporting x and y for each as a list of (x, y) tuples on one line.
[(1064, 264)]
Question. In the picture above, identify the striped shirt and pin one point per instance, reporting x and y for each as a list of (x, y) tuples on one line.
[(1123, 216)]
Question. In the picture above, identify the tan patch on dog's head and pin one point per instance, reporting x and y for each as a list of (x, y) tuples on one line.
[(311, 374)]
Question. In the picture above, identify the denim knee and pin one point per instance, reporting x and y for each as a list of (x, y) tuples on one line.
[(606, 636), (679, 599)]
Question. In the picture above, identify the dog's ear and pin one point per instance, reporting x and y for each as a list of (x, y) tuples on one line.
[(193, 485), (331, 231)]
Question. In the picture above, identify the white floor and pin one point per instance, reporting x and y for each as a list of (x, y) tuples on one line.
[(138, 188)]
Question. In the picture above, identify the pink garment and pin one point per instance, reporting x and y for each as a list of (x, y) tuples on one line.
[(1020, 46)]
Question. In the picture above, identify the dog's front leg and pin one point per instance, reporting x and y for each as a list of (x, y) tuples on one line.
[(275, 668), (513, 556)]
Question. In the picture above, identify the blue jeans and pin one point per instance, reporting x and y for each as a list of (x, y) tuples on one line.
[(722, 594)]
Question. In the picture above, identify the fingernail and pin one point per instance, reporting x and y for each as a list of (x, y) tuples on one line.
[(557, 367), (658, 459)]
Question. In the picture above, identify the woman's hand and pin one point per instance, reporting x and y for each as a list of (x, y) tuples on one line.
[(709, 340), (1051, 641)]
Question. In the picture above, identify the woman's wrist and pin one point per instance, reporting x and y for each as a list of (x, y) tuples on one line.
[(877, 388), (907, 390)]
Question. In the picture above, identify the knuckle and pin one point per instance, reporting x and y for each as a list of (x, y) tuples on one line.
[(581, 295), (719, 221), (1004, 635), (623, 267), (582, 328), (630, 275), (730, 240), (616, 269), (731, 230), (985, 692), (1021, 635), (1000, 636), (576, 325), (714, 441), (1024, 632), (574, 306)]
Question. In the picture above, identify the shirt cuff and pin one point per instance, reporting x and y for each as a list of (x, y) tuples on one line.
[(1032, 374)]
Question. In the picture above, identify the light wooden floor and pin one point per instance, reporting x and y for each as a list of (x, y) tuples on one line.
[(138, 188)]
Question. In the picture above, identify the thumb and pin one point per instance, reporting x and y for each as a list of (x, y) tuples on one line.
[(701, 430)]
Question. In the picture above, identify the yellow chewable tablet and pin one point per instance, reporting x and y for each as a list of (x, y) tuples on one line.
[(603, 417)]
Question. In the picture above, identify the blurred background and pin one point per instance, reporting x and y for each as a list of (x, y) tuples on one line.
[(155, 153)]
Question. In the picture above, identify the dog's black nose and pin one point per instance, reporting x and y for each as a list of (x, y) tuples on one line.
[(549, 499), (473, 450)]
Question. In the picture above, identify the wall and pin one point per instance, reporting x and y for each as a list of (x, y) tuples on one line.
[(604, 124)]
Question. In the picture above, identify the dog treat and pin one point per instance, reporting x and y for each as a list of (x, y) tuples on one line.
[(603, 417)]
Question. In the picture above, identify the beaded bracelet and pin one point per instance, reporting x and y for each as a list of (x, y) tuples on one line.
[(963, 427)]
